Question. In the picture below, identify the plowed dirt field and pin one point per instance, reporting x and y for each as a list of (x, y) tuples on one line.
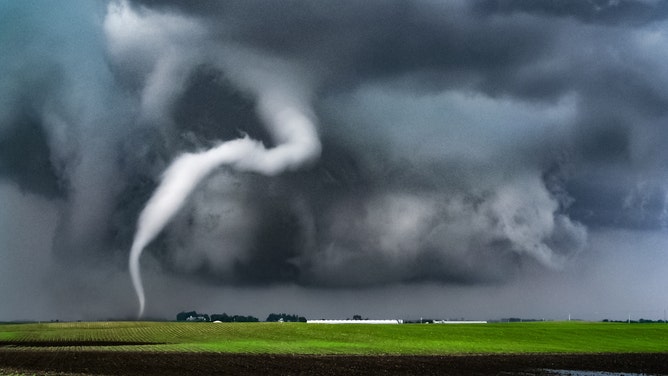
[(44, 362)]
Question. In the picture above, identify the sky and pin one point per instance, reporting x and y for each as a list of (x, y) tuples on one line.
[(446, 159)]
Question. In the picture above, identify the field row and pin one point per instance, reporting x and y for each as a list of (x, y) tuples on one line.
[(299, 338)]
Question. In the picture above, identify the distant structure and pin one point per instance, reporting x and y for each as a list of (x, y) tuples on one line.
[(355, 321), (458, 322), (196, 318)]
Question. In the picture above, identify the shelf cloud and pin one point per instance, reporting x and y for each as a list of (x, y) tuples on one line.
[(347, 147)]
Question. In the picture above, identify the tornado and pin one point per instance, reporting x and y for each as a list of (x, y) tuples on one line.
[(297, 144)]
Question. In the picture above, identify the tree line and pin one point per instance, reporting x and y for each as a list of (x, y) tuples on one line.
[(640, 321), (224, 317)]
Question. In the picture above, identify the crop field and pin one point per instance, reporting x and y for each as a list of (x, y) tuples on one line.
[(260, 344), (350, 339)]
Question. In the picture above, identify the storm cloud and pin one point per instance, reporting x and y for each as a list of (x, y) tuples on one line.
[(465, 144)]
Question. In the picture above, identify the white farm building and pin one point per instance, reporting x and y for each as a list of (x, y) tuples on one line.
[(355, 321)]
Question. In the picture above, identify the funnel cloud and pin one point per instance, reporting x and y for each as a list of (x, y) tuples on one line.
[(299, 146), (384, 158)]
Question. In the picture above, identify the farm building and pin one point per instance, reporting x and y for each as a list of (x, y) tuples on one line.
[(355, 321), (458, 322)]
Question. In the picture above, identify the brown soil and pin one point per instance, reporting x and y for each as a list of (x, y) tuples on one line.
[(44, 362)]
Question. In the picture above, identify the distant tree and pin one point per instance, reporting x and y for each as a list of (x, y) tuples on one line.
[(221, 317), (183, 316), (275, 317), (237, 318), (357, 317), (224, 317)]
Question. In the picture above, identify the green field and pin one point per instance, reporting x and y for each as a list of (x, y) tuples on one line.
[(300, 338)]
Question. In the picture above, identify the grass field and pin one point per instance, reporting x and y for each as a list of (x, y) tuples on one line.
[(349, 339)]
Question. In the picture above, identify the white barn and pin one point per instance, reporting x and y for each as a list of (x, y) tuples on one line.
[(355, 321)]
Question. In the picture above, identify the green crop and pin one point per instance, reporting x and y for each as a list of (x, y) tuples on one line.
[(300, 338)]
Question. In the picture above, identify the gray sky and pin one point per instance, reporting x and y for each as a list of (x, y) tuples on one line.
[(479, 159)]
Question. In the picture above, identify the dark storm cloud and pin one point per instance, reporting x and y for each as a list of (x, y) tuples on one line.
[(594, 11), (462, 142), (362, 40), (25, 159)]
